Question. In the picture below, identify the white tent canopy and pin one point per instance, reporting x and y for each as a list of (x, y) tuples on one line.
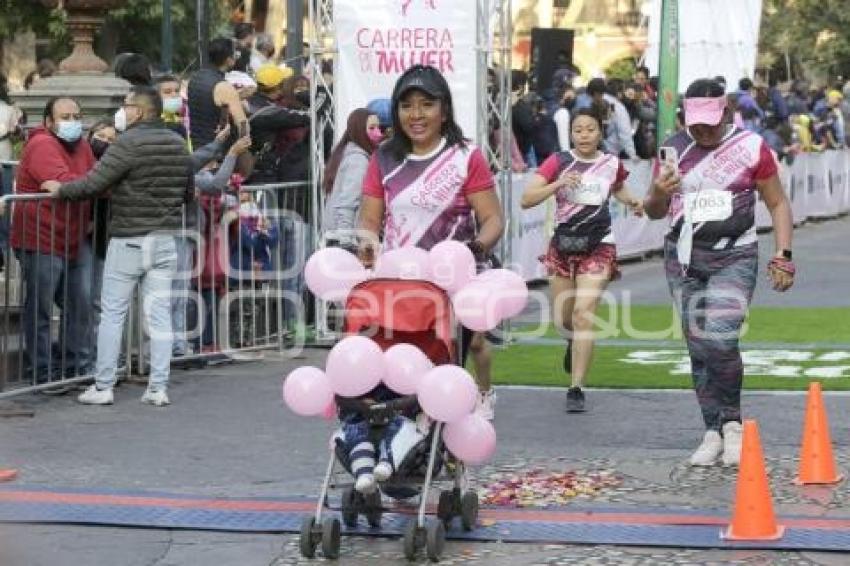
[(716, 37)]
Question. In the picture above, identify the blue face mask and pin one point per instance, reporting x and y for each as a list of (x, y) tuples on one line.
[(172, 105), (70, 130)]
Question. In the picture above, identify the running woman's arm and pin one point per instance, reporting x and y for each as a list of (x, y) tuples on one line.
[(369, 226), (539, 189), (622, 194), (488, 215), (777, 203), (658, 201)]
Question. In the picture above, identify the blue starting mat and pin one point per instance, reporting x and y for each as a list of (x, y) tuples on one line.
[(633, 526)]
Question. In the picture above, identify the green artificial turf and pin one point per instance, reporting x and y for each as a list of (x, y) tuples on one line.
[(775, 365), (764, 324)]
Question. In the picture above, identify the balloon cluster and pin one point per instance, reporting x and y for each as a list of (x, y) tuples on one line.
[(356, 365), (480, 301)]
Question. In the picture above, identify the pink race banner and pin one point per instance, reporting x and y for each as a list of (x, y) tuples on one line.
[(378, 39)]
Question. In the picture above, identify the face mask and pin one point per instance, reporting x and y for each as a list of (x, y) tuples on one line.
[(303, 97), (375, 135), (172, 105), (98, 147), (121, 119), (70, 130)]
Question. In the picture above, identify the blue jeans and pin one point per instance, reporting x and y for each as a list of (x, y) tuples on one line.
[(50, 279), (151, 261), (179, 300)]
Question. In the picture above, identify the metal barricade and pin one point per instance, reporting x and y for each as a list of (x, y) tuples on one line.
[(238, 288), (243, 292), (47, 311)]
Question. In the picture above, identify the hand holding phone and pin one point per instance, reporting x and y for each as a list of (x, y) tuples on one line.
[(669, 157)]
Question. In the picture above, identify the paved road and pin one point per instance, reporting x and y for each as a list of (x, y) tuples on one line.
[(228, 435)]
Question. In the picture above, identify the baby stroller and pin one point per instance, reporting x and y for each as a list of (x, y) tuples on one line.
[(394, 311)]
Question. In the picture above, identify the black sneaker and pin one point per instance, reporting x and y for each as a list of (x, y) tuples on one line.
[(575, 400), (568, 358)]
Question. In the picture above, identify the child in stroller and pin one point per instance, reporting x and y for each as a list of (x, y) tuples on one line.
[(385, 442)]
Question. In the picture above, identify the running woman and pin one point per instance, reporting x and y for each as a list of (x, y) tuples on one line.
[(427, 184), (707, 188), (582, 256)]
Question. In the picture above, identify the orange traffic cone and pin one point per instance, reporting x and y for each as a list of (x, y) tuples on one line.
[(817, 465), (7, 474), (753, 518)]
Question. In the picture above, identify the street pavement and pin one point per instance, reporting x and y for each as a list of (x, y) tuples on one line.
[(227, 434)]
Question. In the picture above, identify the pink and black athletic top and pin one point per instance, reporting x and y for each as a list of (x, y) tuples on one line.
[(741, 159), (425, 196), (588, 203)]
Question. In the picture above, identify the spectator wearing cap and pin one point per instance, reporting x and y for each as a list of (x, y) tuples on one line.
[(382, 108), (209, 93), (268, 119)]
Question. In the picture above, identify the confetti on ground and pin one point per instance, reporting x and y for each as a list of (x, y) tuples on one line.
[(540, 488)]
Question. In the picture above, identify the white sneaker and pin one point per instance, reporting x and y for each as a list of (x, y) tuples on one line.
[(365, 484), (157, 398), (732, 439), (95, 396), (485, 404), (383, 470), (709, 451)]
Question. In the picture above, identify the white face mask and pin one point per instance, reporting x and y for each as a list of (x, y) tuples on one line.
[(121, 119)]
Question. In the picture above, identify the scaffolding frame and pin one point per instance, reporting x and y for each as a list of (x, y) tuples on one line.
[(494, 32)]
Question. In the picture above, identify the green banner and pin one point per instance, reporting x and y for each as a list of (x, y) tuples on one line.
[(668, 69)]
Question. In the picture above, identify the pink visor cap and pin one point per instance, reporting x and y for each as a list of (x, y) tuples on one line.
[(702, 110)]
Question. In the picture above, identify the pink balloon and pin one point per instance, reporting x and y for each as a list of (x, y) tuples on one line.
[(471, 439), (355, 366), (452, 265), (477, 306), (512, 292), (447, 393), (329, 413), (406, 364), (331, 273), (307, 391), (403, 263)]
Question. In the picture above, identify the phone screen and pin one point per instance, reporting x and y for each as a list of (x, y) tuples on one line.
[(243, 128)]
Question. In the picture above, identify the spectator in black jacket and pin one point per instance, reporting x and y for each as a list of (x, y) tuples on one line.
[(268, 119), (148, 171)]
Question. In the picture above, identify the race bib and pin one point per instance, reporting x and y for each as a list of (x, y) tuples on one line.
[(591, 192), (709, 205)]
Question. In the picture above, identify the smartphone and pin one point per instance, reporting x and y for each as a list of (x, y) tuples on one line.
[(243, 128), (224, 117), (669, 157)]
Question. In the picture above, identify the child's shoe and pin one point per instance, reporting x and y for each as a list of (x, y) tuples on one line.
[(365, 484), (383, 470)]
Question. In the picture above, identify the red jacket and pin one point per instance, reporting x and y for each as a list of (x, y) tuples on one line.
[(50, 226)]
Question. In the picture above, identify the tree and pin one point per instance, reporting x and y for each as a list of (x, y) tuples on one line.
[(812, 33), (144, 17), (23, 15)]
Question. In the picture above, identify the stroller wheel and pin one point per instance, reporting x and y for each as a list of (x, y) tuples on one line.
[(469, 510), (349, 507), (309, 540), (411, 540), (446, 506), (435, 540), (330, 537), (373, 509)]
